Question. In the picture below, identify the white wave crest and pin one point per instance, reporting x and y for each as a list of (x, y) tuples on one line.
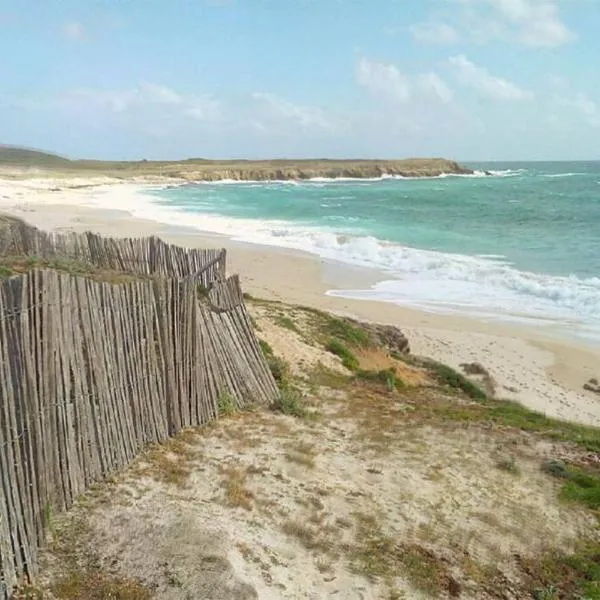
[(560, 175), (385, 177), (418, 277), (507, 172)]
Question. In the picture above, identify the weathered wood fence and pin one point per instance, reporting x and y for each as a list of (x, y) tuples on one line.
[(91, 372), (140, 256)]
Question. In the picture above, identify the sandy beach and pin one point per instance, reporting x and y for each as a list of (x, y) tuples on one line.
[(538, 368)]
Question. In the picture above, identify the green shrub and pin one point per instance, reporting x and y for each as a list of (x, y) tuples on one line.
[(287, 323), (226, 404), (448, 376), (202, 291), (266, 348), (577, 575), (279, 368), (546, 593), (582, 487), (348, 357), (290, 401), (556, 468), (345, 331)]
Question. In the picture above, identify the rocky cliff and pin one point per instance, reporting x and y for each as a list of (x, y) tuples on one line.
[(299, 170), (214, 170)]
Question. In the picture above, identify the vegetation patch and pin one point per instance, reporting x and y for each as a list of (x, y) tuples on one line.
[(226, 404), (376, 555), (348, 357), (506, 413), (557, 575), (313, 537), (322, 376), (279, 368), (580, 485), (170, 462), (345, 331), (447, 376), (287, 323), (290, 401), (82, 575), (326, 325), (302, 454), (203, 292), (96, 584), (237, 493), (386, 377), (509, 464)]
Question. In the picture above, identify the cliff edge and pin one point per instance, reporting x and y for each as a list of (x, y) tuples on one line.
[(196, 169)]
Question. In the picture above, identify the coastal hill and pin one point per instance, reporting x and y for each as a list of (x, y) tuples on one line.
[(198, 169)]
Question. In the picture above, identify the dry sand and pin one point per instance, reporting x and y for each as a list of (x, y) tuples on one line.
[(361, 504), (542, 371)]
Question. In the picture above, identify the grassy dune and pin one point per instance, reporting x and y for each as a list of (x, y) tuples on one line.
[(376, 471)]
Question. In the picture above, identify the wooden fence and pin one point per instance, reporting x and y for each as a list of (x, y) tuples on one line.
[(140, 256), (91, 372)]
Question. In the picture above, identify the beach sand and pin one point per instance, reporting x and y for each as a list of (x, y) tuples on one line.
[(531, 365)]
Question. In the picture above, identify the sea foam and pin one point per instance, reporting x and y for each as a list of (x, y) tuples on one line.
[(413, 276)]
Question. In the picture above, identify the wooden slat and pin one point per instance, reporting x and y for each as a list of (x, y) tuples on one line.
[(92, 372)]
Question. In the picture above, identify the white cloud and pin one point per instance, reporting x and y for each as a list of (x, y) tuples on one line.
[(486, 84), (434, 33), (585, 106), (535, 23), (433, 84), (388, 82), (75, 31), (557, 82), (273, 107), (383, 79), (159, 93), (158, 99)]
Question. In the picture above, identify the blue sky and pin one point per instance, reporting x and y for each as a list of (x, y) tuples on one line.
[(465, 79)]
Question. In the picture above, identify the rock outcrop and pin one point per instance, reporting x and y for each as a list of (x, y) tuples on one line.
[(309, 169), (197, 169)]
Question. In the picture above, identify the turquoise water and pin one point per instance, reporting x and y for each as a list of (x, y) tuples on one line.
[(522, 243)]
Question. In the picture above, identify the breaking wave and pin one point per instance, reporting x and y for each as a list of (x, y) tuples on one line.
[(418, 277)]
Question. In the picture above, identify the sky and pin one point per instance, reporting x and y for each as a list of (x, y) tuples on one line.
[(471, 80)]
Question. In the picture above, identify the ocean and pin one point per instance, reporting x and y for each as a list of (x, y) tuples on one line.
[(520, 245)]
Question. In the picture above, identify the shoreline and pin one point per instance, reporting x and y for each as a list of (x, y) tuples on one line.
[(137, 199), (543, 373)]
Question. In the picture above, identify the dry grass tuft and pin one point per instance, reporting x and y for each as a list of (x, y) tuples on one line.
[(313, 536), (509, 464), (301, 453), (171, 462), (82, 575), (377, 555), (96, 584), (234, 484)]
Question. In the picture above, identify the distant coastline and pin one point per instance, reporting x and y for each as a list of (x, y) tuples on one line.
[(236, 170)]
